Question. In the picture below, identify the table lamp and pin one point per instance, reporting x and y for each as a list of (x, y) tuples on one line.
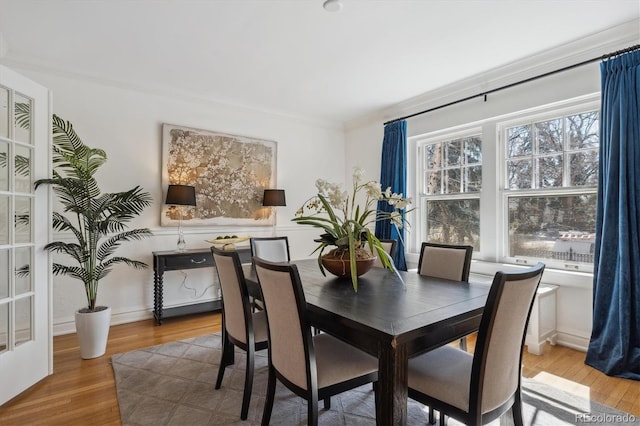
[(181, 195), (274, 198)]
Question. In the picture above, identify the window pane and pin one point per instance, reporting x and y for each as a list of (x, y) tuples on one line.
[(453, 153), (584, 130), (519, 141), (519, 174), (23, 169), (23, 268), (552, 227), (452, 181), (473, 150), (23, 220), (4, 166), (433, 154), (454, 222), (549, 136), (4, 219), (4, 112), (4, 327), (433, 182), (584, 168), (474, 179), (4, 274), (24, 322), (23, 111), (550, 171)]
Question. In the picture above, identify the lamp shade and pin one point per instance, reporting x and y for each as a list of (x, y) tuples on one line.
[(273, 197), (181, 195)]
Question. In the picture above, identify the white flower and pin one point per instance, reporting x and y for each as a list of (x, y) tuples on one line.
[(373, 190), (358, 174)]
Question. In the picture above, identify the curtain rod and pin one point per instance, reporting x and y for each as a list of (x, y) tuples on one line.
[(599, 58)]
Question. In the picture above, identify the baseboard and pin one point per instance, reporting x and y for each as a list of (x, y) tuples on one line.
[(572, 341), (69, 326)]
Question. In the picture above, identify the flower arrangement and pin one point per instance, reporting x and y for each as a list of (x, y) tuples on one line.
[(346, 223)]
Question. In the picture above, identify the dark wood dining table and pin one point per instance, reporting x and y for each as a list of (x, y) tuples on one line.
[(392, 316)]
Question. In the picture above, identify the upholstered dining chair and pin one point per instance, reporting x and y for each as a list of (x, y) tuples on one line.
[(476, 389), (447, 261), (390, 248), (273, 249), (240, 326), (313, 367)]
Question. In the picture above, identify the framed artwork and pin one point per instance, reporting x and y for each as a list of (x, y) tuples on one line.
[(229, 173)]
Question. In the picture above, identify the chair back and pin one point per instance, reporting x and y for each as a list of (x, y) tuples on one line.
[(290, 343), (451, 262), (389, 247), (497, 361), (235, 296), (272, 249)]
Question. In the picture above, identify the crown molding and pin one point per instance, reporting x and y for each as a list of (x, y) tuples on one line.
[(576, 51), (35, 65)]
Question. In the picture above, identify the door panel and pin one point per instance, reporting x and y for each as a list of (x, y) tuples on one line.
[(25, 298)]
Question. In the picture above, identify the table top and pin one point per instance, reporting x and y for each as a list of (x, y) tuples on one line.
[(386, 306)]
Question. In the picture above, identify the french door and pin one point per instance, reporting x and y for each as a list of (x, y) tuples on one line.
[(26, 354)]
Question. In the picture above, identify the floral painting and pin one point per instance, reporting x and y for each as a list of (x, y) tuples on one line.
[(229, 173)]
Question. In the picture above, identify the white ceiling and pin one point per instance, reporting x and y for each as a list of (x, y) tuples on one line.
[(291, 56)]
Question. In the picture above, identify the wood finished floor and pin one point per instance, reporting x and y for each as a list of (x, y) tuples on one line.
[(82, 392)]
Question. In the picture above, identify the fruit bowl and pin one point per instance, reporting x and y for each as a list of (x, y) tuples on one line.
[(227, 243)]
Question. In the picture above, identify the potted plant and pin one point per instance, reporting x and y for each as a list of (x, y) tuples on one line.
[(98, 223), (349, 230)]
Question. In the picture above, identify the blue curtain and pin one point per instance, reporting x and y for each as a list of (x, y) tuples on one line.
[(615, 339), (393, 173)]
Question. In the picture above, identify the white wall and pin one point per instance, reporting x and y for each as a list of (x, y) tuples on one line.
[(126, 123), (574, 297)]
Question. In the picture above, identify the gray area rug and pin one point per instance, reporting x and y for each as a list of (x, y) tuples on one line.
[(173, 384)]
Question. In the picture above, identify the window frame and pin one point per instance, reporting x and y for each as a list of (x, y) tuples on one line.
[(531, 117)]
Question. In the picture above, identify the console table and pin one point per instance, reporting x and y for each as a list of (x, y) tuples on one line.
[(173, 260)]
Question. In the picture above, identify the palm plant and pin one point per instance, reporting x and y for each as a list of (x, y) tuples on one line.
[(97, 220)]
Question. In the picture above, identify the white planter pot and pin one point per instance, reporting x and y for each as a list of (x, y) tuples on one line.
[(93, 331)]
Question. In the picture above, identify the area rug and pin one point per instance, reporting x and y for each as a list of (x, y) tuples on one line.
[(173, 384)]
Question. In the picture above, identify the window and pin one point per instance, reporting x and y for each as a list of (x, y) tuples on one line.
[(519, 188), (551, 178), (451, 181)]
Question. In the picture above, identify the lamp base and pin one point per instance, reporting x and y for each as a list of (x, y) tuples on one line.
[(182, 245)]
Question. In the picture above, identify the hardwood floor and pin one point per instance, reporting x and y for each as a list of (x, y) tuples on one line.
[(82, 392)]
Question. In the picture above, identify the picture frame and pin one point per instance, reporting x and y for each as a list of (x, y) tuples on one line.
[(229, 173)]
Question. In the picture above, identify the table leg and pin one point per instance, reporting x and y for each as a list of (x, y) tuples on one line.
[(157, 296), (392, 384)]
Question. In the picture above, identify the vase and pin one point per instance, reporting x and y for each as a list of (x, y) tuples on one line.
[(340, 265), (93, 332)]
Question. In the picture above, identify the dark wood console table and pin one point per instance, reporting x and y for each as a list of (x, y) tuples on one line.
[(173, 260)]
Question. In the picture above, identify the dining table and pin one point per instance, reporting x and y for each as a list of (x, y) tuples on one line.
[(393, 315)]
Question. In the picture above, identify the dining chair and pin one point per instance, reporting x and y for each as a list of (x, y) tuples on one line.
[(389, 247), (312, 366), (479, 388), (273, 249), (240, 326), (447, 261)]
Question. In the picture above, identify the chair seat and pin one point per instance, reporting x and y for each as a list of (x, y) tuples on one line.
[(337, 361), (444, 374)]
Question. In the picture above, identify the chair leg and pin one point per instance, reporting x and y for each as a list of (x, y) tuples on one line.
[(463, 344), (312, 411), (432, 416), (516, 409), (248, 384), (443, 419), (327, 403), (271, 393), (225, 359)]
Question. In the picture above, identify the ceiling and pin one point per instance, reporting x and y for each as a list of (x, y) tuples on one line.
[(291, 56)]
